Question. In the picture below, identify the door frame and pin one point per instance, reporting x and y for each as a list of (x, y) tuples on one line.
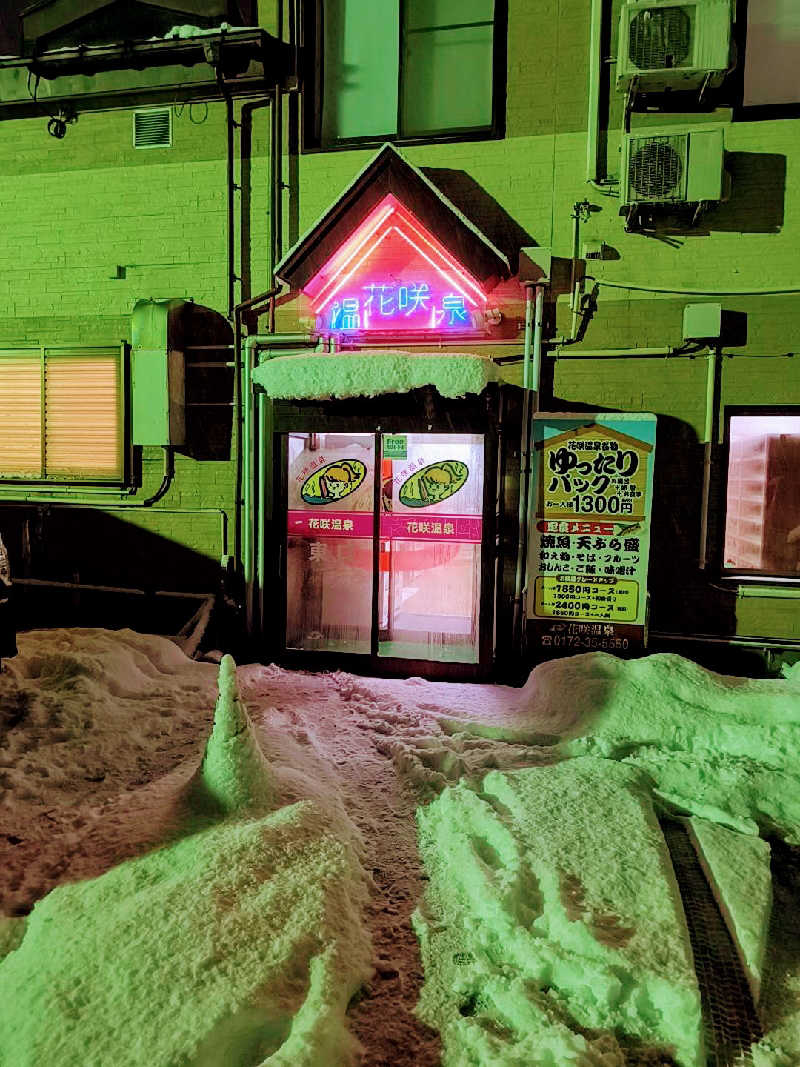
[(420, 411)]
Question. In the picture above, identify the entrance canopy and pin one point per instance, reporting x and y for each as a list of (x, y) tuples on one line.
[(322, 376)]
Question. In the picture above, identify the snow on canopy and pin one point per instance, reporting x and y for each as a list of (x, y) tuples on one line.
[(321, 376)]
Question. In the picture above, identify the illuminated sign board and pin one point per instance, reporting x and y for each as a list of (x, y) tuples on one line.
[(393, 276), (590, 531)]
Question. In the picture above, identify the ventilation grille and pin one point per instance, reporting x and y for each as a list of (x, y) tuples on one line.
[(661, 38), (152, 128), (656, 168)]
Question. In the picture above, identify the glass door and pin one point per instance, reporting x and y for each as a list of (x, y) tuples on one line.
[(424, 602), (329, 548), (429, 581)]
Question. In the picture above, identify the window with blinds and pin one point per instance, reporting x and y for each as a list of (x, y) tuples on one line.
[(61, 414)]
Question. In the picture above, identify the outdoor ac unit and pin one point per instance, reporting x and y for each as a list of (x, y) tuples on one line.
[(673, 44), (672, 168)]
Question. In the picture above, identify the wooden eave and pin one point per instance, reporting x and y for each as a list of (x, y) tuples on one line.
[(388, 173)]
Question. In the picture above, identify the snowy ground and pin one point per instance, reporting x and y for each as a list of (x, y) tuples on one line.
[(266, 908)]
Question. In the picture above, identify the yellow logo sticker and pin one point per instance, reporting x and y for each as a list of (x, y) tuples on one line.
[(433, 483), (333, 482)]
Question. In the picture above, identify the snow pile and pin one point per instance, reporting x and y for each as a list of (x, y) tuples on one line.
[(234, 774), (319, 376), (220, 941), (737, 867), (719, 747), (84, 706), (234, 944), (552, 922)]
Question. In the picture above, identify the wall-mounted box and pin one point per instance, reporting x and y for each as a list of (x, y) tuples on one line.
[(158, 373), (702, 322)]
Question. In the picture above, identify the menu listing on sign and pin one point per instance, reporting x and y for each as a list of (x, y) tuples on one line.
[(590, 533)]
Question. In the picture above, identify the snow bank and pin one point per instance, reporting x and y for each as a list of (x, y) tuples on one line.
[(234, 774), (91, 710), (231, 941), (737, 867), (552, 912), (718, 747), (320, 375), (237, 944)]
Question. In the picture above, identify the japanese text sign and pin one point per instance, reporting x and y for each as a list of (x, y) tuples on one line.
[(589, 540)]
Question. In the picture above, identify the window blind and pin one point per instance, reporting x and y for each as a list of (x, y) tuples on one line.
[(61, 414), (20, 414), (81, 414)]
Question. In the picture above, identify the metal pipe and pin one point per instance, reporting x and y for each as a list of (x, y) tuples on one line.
[(712, 361), (743, 642), (524, 468), (277, 175), (538, 324), (32, 500), (593, 119), (166, 481), (617, 353), (121, 589), (694, 292), (247, 520), (264, 439)]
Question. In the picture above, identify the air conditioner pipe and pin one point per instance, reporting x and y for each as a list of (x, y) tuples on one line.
[(531, 381)]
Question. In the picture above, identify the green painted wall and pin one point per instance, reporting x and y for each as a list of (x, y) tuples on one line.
[(75, 210)]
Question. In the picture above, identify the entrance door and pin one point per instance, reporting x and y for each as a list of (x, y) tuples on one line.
[(415, 593), (430, 534)]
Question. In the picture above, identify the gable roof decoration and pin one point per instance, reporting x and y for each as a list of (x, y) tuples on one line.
[(393, 254)]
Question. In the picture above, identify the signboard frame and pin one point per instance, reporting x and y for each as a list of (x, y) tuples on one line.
[(589, 531)]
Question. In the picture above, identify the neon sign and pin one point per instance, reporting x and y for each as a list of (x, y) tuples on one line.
[(393, 276), (385, 305)]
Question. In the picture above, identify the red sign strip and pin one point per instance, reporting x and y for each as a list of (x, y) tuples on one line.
[(440, 527), (320, 522)]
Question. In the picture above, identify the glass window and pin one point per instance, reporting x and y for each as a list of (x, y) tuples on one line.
[(61, 414), (762, 528), (772, 53), (406, 68)]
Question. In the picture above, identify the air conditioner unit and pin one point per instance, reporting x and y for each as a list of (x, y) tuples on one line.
[(673, 44), (685, 167)]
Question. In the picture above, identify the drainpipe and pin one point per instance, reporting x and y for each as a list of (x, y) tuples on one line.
[(593, 124), (712, 364), (231, 185), (531, 381)]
